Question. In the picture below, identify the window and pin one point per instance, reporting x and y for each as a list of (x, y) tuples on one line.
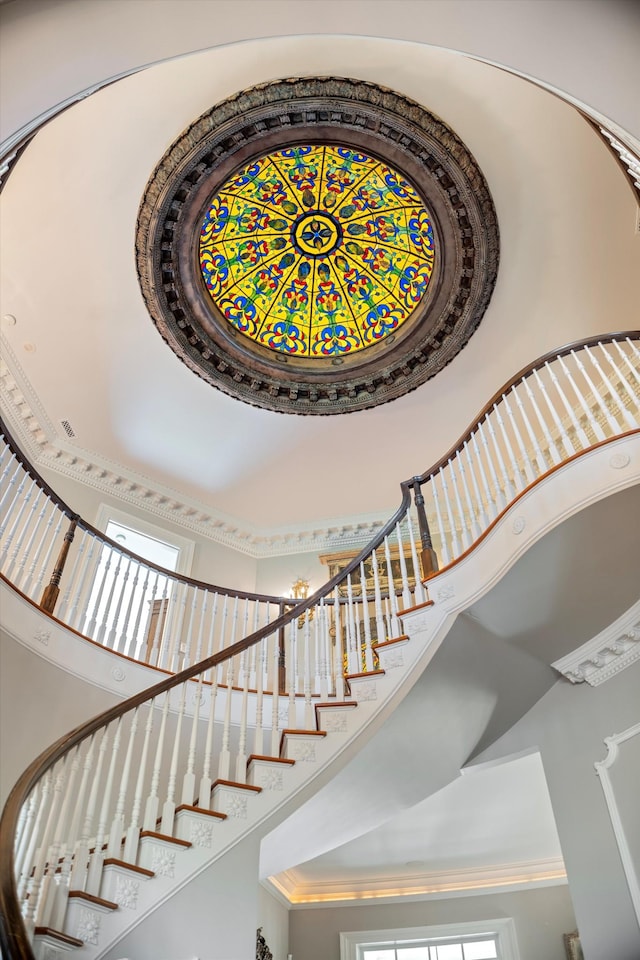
[(480, 940), (128, 602)]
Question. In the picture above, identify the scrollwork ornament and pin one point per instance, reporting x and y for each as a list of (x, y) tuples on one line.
[(518, 525), (118, 674)]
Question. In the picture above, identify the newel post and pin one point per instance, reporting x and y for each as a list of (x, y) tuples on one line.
[(50, 594), (428, 556)]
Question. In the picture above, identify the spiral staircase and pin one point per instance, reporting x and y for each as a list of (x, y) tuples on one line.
[(261, 702)]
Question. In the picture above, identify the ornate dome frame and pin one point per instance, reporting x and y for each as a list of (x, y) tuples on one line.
[(355, 114)]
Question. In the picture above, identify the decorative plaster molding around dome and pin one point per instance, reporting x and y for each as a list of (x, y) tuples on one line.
[(37, 436), (404, 272)]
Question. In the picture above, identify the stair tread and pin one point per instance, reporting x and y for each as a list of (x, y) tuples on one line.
[(258, 756), (339, 704), (206, 813), (367, 673), (90, 898), (58, 935), (416, 606), (389, 643), (305, 733), (236, 786), (163, 836), (114, 862)]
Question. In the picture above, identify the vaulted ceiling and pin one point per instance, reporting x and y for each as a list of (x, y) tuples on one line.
[(83, 348)]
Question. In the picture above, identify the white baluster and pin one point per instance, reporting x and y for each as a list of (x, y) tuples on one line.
[(552, 447), (78, 614), (43, 863), (204, 789), (465, 533), (116, 834), (203, 616), (353, 654), (111, 637), (473, 526), (381, 628), (27, 525), (170, 634), (480, 509), (185, 645), (308, 708), (22, 864), (631, 423), (419, 593), (538, 456), (108, 607), (12, 462), (590, 418), (275, 699), (224, 764), (8, 540), (241, 758), (261, 653), (132, 836), (394, 622), (407, 600), (598, 398), (17, 497), (455, 547), (107, 553), (123, 646), (159, 628), (566, 439), (529, 471), (338, 669), (498, 496), (507, 485), (444, 546), (516, 480), (94, 877), (492, 506), (622, 379), (368, 650), (79, 870), (66, 835), (580, 433), (46, 531), (626, 359), (169, 806)]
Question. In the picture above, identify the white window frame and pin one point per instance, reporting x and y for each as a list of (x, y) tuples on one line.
[(182, 544), (503, 929)]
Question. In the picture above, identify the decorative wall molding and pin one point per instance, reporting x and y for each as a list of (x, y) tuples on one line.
[(38, 438), (612, 650), (613, 745), (428, 885)]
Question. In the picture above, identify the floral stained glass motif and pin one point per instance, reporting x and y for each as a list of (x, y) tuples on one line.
[(316, 251)]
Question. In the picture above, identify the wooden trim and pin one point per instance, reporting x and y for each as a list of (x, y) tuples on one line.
[(417, 606), (163, 836), (207, 813), (89, 897), (236, 786), (370, 673), (257, 756), (401, 639), (304, 733), (58, 935), (114, 862)]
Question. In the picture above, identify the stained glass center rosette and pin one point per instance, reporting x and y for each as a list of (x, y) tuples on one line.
[(317, 252)]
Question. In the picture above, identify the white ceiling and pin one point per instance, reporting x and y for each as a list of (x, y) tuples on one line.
[(94, 358)]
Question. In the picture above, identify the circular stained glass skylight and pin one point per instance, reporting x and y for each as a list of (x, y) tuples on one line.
[(317, 245), (317, 251)]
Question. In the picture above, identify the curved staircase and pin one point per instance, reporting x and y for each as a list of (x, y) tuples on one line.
[(120, 814)]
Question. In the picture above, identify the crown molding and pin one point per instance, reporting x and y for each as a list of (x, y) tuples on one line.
[(614, 649), (38, 438), (467, 882)]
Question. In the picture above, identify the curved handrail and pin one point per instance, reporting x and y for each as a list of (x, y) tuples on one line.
[(523, 374), (606, 404)]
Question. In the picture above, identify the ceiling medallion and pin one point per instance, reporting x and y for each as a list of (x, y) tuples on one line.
[(317, 246)]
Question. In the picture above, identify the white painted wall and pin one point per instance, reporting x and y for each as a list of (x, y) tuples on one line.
[(541, 917), (51, 51), (568, 725)]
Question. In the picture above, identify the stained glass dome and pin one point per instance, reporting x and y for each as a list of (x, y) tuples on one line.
[(316, 251)]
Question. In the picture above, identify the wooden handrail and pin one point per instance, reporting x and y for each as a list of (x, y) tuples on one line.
[(523, 374)]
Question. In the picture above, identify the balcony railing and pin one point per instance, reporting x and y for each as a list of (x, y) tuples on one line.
[(253, 667)]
